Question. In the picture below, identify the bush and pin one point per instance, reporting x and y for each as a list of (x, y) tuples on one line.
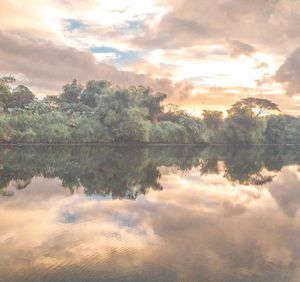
[(89, 130), (243, 128), (168, 132), (283, 129)]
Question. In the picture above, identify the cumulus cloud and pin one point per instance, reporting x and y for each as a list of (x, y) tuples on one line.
[(198, 22), (289, 73), (238, 48), (50, 42), (173, 32), (49, 65)]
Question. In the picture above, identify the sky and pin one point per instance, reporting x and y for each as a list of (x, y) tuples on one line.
[(203, 54)]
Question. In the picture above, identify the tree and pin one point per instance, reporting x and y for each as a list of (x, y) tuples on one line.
[(38, 107), (173, 113), (71, 92), (151, 102), (213, 119), (168, 132), (155, 108), (122, 116), (4, 95), (7, 80), (5, 90), (172, 108), (93, 89), (52, 101), (257, 106), (20, 97), (283, 129), (242, 127)]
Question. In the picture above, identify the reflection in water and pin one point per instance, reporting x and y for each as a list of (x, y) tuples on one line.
[(200, 214)]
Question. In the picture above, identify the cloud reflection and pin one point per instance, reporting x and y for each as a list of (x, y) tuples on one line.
[(199, 227)]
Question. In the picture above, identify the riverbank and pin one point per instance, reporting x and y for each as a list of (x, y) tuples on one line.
[(144, 144)]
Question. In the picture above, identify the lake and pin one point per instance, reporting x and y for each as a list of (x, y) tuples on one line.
[(178, 213)]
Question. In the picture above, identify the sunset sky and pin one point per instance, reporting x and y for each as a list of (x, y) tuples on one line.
[(202, 53)]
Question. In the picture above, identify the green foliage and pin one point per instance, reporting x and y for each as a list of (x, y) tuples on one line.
[(20, 97), (88, 130), (92, 90), (38, 107), (213, 119), (256, 106), (168, 132), (123, 118), (6, 131), (100, 112), (52, 102), (71, 92), (29, 136), (242, 128), (150, 101), (4, 95), (283, 129), (56, 133), (195, 128)]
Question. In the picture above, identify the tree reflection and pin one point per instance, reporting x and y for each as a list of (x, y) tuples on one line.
[(126, 172)]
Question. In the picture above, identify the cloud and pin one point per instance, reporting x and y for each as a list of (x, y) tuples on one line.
[(48, 65), (238, 48), (17, 15), (187, 33), (289, 73), (164, 44), (191, 23), (157, 70)]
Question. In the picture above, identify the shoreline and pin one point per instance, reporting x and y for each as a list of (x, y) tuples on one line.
[(144, 144)]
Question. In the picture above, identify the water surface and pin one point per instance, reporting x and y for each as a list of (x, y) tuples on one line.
[(149, 214)]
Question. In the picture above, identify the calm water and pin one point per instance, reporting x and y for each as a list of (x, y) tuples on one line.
[(149, 214)]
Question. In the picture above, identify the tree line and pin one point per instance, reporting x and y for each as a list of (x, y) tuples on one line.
[(100, 112)]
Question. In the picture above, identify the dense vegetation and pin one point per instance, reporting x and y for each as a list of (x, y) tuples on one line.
[(100, 112), (127, 172)]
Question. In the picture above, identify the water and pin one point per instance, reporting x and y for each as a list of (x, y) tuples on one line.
[(149, 214)]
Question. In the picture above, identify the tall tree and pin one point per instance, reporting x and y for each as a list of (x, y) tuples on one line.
[(20, 97), (152, 102), (5, 90), (93, 89), (242, 127), (283, 129), (4, 95), (257, 106), (71, 92), (122, 116), (213, 119)]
